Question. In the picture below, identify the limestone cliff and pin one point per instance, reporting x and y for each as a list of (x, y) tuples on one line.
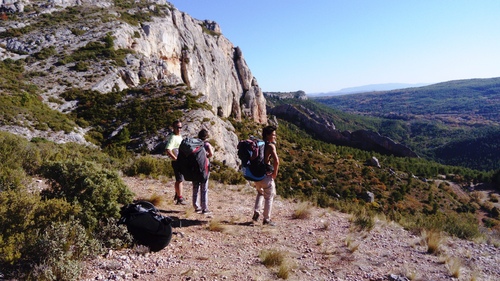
[(162, 45)]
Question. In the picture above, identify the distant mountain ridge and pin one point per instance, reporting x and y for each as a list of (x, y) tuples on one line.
[(369, 88), (476, 98), (442, 121)]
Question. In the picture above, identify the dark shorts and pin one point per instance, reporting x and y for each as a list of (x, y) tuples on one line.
[(178, 175)]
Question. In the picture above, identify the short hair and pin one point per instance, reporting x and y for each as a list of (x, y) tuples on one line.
[(175, 123), (203, 134), (267, 131)]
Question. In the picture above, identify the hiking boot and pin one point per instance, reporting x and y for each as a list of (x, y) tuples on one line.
[(255, 216), (268, 222), (206, 212), (181, 201)]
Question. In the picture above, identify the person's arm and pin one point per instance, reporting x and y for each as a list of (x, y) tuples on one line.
[(209, 150), (276, 160), (169, 148), (171, 154)]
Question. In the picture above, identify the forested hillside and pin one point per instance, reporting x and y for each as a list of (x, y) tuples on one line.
[(454, 122)]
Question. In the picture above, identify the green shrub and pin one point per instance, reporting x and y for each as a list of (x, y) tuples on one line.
[(224, 174), (17, 209), (45, 237), (150, 166), (45, 53), (461, 225), (61, 247), (112, 235), (98, 191), (11, 178)]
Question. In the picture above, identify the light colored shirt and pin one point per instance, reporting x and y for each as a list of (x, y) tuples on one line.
[(173, 143)]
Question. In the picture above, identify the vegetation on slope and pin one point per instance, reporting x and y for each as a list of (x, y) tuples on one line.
[(436, 120), (473, 97), (21, 105), (46, 230)]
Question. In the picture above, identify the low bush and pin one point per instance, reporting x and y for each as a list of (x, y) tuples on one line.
[(224, 174), (45, 235), (98, 191), (150, 166)]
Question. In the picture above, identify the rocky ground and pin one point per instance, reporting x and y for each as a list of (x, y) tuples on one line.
[(226, 245)]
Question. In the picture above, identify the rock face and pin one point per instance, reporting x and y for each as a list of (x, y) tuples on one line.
[(181, 49), (169, 47), (301, 95), (325, 130)]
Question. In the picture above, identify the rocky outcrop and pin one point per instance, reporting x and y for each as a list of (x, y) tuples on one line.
[(325, 130), (170, 47), (301, 95), (173, 47), (182, 49)]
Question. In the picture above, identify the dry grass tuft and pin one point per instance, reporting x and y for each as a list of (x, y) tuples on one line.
[(216, 225), (454, 265), (319, 241), (156, 199), (432, 240), (475, 276), (363, 221), (283, 271), (271, 258), (189, 212), (325, 224), (410, 273), (351, 244), (141, 249), (303, 211)]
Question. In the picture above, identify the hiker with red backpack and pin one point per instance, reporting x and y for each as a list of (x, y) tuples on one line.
[(199, 186), (172, 150)]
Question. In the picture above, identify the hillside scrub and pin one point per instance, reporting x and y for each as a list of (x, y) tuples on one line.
[(454, 123), (21, 105), (55, 227), (82, 185), (134, 113)]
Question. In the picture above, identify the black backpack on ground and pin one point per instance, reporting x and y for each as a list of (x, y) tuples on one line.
[(251, 154), (147, 225), (192, 160)]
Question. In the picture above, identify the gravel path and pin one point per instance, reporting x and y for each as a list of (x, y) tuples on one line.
[(322, 247)]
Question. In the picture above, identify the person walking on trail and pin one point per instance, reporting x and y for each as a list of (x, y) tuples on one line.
[(202, 187), (266, 188), (172, 150)]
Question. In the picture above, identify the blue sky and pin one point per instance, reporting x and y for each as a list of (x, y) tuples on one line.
[(327, 45)]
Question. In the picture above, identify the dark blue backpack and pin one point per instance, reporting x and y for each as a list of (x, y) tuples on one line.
[(251, 154)]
